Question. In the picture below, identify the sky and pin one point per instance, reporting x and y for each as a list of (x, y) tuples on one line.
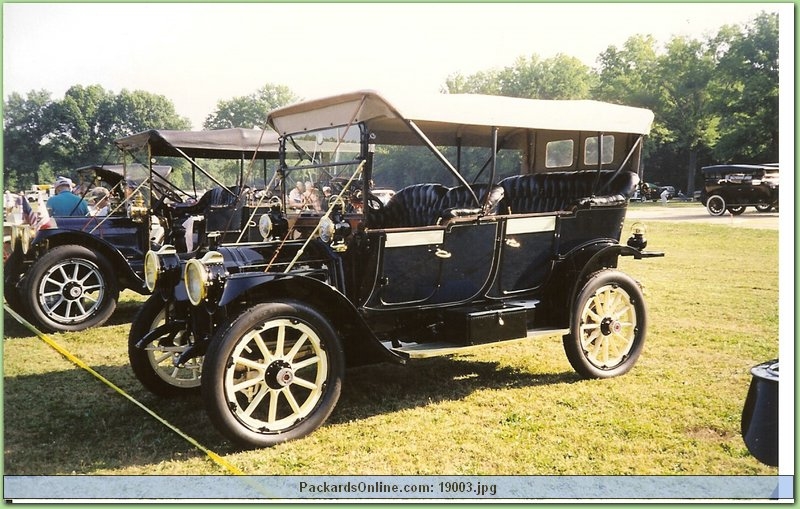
[(198, 54)]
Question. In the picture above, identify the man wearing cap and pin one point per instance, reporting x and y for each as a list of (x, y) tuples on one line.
[(64, 203), (98, 201)]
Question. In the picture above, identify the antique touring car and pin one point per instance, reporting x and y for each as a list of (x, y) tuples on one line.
[(734, 187), (505, 225), (68, 276)]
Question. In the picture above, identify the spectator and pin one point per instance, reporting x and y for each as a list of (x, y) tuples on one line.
[(297, 199), (664, 196), (312, 197), (326, 197), (65, 203), (98, 201)]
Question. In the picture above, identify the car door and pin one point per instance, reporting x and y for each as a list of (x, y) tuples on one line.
[(526, 252), (433, 265)]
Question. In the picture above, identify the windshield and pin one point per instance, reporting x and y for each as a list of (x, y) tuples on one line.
[(189, 179), (320, 165)]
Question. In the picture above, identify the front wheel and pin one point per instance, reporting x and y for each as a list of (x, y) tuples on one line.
[(70, 288), (274, 374), (764, 207), (153, 364), (737, 211), (608, 326), (716, 205)]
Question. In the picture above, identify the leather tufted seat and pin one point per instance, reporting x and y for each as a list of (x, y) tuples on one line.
[(415, 205), (549, 192), (425, 204), (219, 209)]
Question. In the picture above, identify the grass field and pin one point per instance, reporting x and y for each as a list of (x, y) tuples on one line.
[(514, 408)]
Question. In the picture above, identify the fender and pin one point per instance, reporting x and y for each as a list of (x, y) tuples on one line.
[(50, 238), (360, 344), (568, 272)]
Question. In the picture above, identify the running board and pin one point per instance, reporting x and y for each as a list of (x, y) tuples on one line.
[(440, 348)]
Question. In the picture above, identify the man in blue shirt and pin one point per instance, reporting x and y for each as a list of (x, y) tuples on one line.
[(64, 203)]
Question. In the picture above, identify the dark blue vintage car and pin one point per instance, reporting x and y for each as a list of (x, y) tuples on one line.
[(68, 275), (734, 187), (505, 225)]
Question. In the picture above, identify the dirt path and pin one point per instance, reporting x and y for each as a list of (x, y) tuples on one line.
[(696, 213)]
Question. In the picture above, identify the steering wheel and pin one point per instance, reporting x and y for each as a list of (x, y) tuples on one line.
[(165, 192)]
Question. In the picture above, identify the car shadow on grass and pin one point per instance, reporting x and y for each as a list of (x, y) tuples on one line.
[(123, 315), (69, 422), (373, 390)]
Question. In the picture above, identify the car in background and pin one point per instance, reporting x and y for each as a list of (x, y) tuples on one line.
[(495, 239), (671, 193), (734, 187), (66, 274)]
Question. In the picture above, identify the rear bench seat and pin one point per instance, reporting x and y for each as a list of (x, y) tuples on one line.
[(426, 204), (550, 192)]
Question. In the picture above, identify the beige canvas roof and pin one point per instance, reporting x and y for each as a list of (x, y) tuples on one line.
[(445, 117), (220, 143)]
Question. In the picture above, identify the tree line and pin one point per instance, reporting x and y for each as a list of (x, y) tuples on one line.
[(715, 100)]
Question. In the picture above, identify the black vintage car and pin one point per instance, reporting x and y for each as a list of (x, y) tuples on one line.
[(505, 225), (734, 187), (67, 275)]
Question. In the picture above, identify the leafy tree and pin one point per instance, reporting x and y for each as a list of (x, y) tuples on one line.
[(27, 124), (626, 75), (745, 91), (89, 119), (43, 137), (482, 82), (136, 111), (251, 110), (560, 77), (684, 104)]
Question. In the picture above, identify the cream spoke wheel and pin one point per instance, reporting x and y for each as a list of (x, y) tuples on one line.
[(158, 364), (608, 326), (604, 336), (272, 374), (269, 388)]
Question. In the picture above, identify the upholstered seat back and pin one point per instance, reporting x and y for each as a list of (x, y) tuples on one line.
[(416, 205), (219, 209), (550, 192)]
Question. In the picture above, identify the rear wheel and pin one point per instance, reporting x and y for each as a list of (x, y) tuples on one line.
[(274, 374), (70, 288), (153, 364), (716, 205), (608, 326), (736, 211), (764, 207)]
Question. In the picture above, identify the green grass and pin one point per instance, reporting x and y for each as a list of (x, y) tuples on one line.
[(514, 408)]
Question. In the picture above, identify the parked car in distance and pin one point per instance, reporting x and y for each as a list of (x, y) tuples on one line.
[(671, 193), (734, 187), (496, 239), (67, 275)]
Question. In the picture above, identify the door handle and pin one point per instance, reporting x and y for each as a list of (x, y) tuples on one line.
[(441, 253)]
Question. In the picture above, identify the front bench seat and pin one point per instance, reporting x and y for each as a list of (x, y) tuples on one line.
[(413, 206)]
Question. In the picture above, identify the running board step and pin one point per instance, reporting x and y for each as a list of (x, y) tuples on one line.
[(441, 348)]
